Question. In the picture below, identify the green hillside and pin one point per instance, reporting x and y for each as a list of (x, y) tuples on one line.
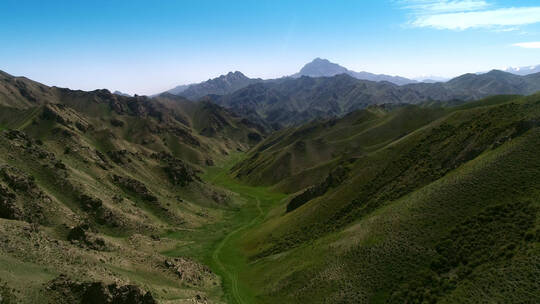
[(115, 199), (95, 189), (444, 213)]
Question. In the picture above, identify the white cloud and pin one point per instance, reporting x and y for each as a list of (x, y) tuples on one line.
[(496, 18), (528, 45), (444, 6)]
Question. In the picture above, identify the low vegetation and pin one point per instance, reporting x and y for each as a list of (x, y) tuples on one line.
[(120, 199), (446, 213)]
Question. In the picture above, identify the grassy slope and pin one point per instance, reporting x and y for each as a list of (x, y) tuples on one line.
[(398, 249), (181, 214), (394, 253), (394, 246), (282, 159), (141, 219), (228, 258), (218, 244)]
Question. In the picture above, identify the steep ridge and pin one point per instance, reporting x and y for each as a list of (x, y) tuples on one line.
[(21, 92), (447, 212), (95, 187)]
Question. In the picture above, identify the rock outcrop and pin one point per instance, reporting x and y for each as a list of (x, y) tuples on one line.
[(69, 291)]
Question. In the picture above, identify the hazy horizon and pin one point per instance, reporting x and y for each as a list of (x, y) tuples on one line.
[(141, 48)]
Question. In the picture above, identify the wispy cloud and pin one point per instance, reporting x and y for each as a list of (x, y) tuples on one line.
[(433, 6), (505, 17), (528, 45), (467, 14)]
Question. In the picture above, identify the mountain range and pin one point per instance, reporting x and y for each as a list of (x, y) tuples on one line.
[(233, 81), (293, 190), (294, 101), (319, 67), (323, 89), (324, 68)]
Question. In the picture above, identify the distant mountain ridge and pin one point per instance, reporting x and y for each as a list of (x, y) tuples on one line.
[(233, 81), (294, 101), (121, 93), (476, 86), (324, 68), (319, 67), (297, 100), (178, 89), (221, 85), (431, 79)]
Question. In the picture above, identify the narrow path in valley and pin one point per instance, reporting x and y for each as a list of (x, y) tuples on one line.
[(227, 256), (232, 275)]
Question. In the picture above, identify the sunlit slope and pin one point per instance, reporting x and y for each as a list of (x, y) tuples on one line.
[(93, 185), (446, 213), (286, 156)]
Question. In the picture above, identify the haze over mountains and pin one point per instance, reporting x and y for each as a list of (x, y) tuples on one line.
[(121, 93), (324, 68), (319, 67), (322, 89), (230, 82), (527, 70)]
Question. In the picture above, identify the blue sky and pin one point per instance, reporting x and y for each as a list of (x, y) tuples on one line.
[(145, 47)]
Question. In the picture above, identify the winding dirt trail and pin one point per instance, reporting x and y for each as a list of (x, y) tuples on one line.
[(231, 274)]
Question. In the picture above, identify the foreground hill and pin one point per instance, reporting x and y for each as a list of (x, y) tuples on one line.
[(95, 189), (404, 205)]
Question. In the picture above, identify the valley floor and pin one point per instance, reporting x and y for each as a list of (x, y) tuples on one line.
[(220, 244)]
